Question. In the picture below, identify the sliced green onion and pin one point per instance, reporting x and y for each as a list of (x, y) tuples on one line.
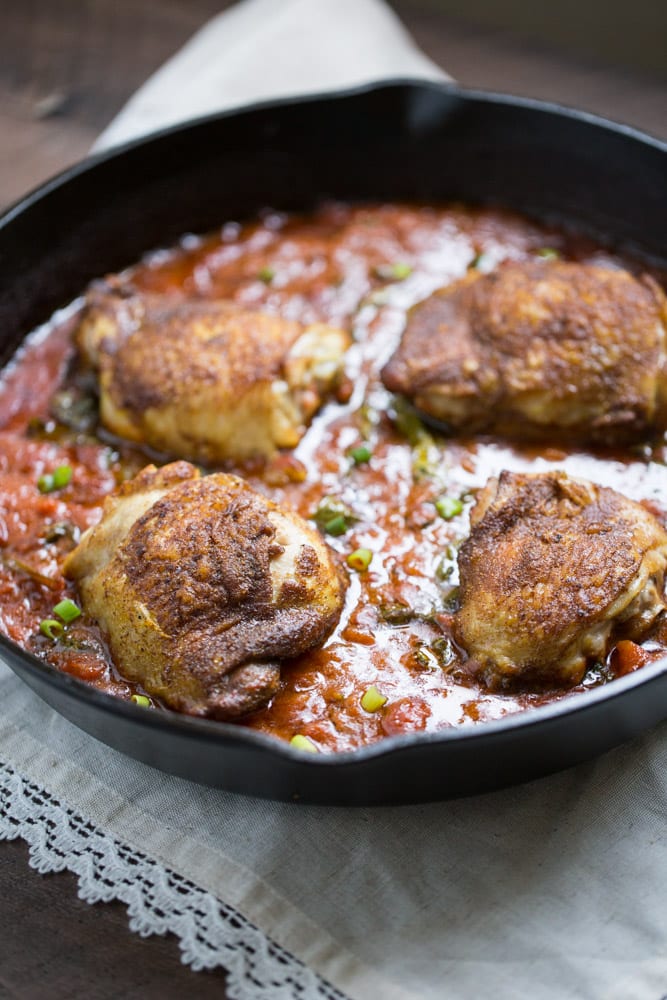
[(367, 417), (406, 420), (372, 699), (424, 459), (51, 628), (141, 699), (333, 516), (266, 274), (55, 480), (394, 272), (62, 476), (336, 526), (548, 253), (451, 600), (396, 614), (426, 657), (444, 569), (360, 560), (303, 743), (360, 455), (61, 529), (448, 507), (67, 610), (45, 483), (443, 649)]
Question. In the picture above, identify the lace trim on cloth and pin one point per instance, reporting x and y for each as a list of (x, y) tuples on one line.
[(210, 933)]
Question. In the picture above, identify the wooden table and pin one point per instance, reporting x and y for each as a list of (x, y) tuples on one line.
[(65, 69)]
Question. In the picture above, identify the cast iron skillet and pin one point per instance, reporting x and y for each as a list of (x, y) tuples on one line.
[(400, 140)]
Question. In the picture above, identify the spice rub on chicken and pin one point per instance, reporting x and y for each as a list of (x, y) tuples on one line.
[(206, 380), (203, 586), (554, 569), (539, 349)]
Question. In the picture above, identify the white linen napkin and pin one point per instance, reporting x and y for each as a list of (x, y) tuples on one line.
[(261, 49), (553, 889)]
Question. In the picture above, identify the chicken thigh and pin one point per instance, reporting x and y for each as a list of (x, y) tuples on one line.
[(202, 586), (539, 349), (553, 569), (206, 380)]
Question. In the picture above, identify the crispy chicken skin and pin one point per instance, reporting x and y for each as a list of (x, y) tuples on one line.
[(206, 380), (202, 586), (539, 349), (554, 567)]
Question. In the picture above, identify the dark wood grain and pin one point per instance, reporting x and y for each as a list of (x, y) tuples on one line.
[(55, 946), (66, 67)]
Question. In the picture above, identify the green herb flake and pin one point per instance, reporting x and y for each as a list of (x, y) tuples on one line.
[(51, 628), (360, 560), (407, 422), (451, 600), (361, 455), (448, 507), (394, 272), (443, 649), (372, 700), (426, 657), (55, 480), (548, 253), (59, 530), (444, 569), (141, 700), (333, 516), (300, 742), (62, 476), (45, 483), (67, 610), (396, 614), (336, 526), (266, 274)]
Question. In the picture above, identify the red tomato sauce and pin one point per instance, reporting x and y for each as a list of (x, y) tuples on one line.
[(361, 267)]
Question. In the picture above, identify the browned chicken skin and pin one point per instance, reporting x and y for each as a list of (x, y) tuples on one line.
[(206, 380), (539, 349), (552, 569), (202, 586)]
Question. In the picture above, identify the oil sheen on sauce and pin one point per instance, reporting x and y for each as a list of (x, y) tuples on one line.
[(361, 267)]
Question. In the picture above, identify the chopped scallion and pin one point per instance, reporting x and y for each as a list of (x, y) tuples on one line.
[(51, 628), (141, 699), (303, 743), (372, 699), (336, 526), (360, 455), (333, 516), (55, 480), (396, 614), (426, 657), (394, 272), (548, 253), (406, 421), (45, 483), (443, 649), (67, 610), (266, 274), (448, 507), (360, 560), (62, 476)]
